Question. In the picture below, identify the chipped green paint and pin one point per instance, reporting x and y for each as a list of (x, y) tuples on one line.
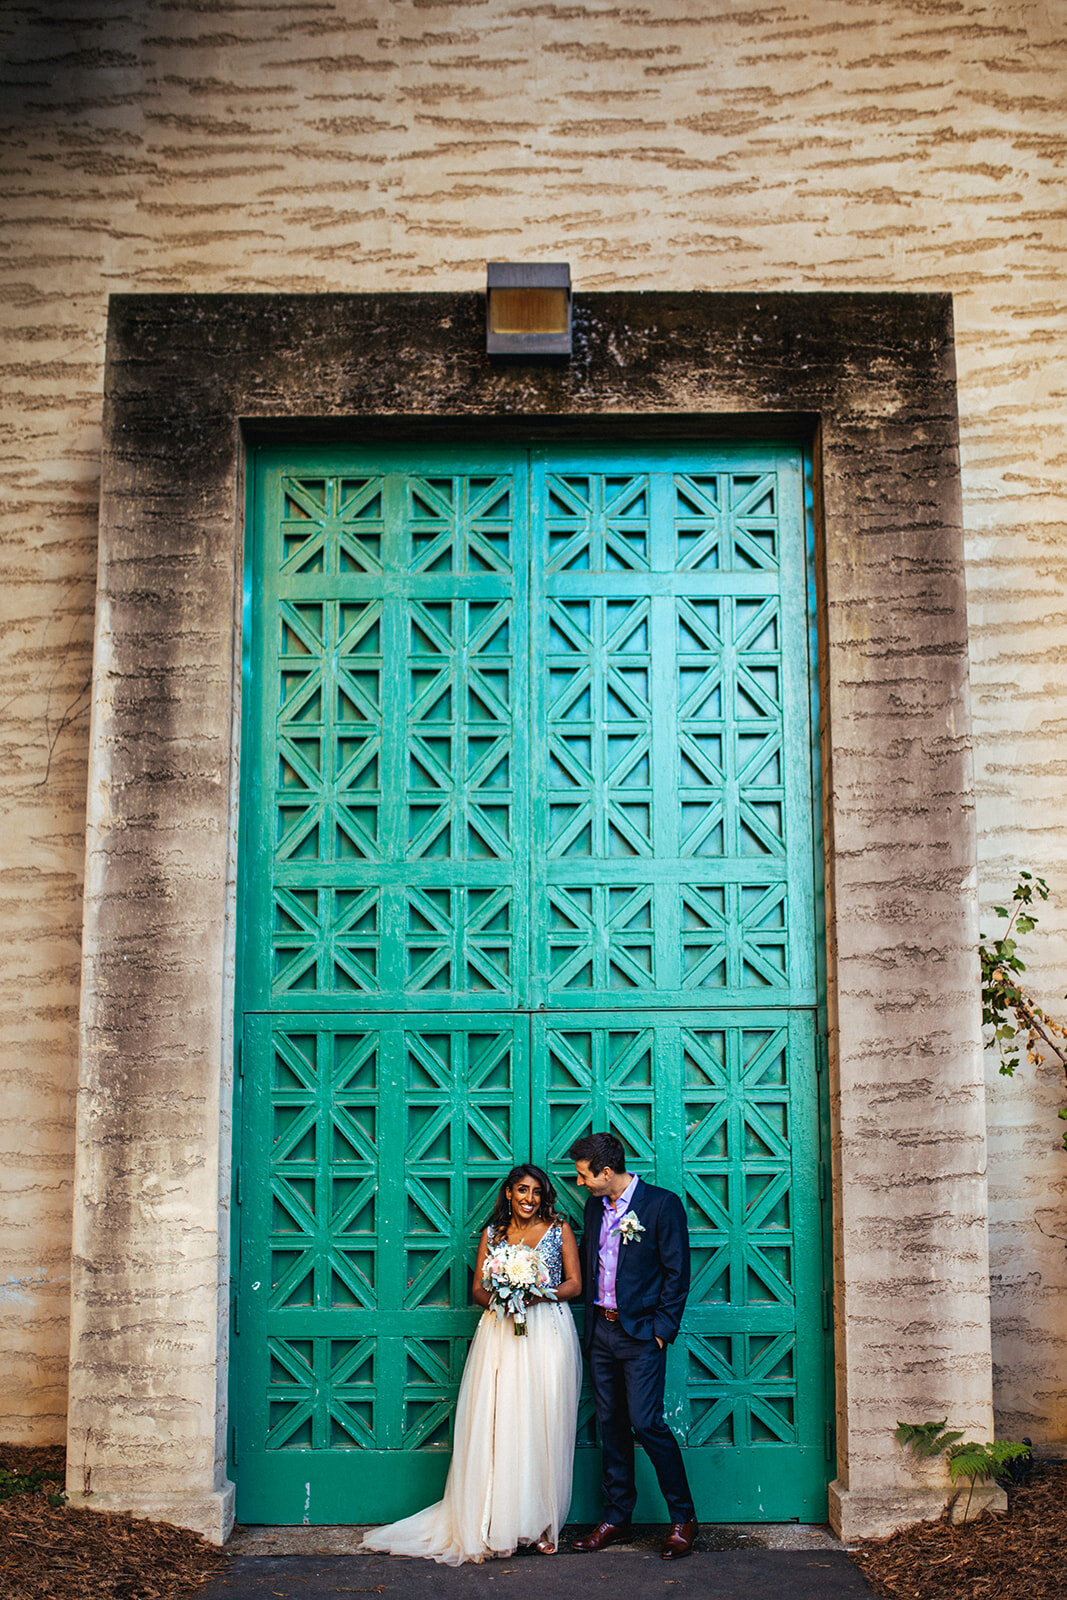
[(527, 845)]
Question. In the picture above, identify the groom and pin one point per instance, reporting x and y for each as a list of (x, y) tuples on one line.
[(635, 1278)]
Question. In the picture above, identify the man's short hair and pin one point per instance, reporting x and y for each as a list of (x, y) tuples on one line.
[(600, 1150)]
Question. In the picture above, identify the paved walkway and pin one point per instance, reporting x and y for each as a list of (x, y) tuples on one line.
[(789, 1563)]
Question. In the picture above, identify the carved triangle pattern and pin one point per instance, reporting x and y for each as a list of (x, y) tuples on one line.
[(457, 524), (742, 1390), (455, 695), (397, 671), (458, 940), (726, 522), (664, 719), (594, 1076), (433, 1369), (734, 1085), (331, 525), (599, 683), (738, 1165), (598, 523), (735, 936), (321, 1394), (731, 795), (325, 939), (329, 714), (601, 937), (738, 1161), (526, 793), (460, 780), (324, 1168), (460, 1087), (386, 1149)]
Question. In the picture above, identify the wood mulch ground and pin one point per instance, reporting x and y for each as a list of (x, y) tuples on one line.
[(61, 1552), (1018, 1554)]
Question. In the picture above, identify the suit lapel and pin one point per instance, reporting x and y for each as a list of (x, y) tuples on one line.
[(635, 1202)]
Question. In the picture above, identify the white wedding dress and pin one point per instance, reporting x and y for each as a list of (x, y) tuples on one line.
[(513, 1453)]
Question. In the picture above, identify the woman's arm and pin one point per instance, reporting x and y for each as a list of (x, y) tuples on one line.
[(479, 1295), (571, 1287)]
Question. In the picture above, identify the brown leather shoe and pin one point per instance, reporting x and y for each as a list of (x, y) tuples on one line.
[(602, 1535), (679, 1541)]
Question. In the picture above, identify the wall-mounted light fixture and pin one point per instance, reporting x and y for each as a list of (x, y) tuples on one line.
[(528, 309)]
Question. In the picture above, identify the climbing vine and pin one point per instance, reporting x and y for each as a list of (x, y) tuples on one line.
[(1008, 1008)]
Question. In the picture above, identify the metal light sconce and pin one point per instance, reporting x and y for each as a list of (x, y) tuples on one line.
[(528, 309)]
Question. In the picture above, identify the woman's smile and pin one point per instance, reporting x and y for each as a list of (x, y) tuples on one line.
[(525, 1200)]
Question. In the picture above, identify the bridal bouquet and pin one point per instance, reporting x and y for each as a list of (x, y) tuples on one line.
[(515, 1276)]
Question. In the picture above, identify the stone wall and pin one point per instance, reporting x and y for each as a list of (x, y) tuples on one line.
[(206, 145)]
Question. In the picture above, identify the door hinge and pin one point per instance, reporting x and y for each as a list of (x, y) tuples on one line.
[(822, 1182), (822, 1053), (237, 1187), (233, 1444), (827, 1310), (829, 1442), (236, 1313), (239, 1056)]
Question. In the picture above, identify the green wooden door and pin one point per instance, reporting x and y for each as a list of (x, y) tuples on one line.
[(527, 846)]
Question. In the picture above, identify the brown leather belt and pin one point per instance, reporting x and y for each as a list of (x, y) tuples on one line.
[(607, 1313)]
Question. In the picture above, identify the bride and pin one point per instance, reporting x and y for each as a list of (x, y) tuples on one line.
[(509, 1482)]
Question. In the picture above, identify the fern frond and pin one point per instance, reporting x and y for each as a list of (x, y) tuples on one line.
[(970, 1460), (926, 1439)]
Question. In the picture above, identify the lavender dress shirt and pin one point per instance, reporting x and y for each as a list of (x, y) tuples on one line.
[(610, 1240)]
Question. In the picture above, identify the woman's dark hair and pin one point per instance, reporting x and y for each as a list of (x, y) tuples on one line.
[(501, 1217), (599, 1150)]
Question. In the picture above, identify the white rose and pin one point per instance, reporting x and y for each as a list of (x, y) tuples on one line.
[(523, 1271)]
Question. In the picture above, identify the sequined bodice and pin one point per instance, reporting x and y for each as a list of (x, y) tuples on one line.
[(550, 1249)]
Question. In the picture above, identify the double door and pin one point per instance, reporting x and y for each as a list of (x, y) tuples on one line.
[(527, 848)]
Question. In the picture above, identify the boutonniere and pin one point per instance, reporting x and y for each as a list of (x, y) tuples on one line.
[(630, 1227)]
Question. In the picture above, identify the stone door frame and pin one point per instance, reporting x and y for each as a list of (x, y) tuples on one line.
[(867, 382)]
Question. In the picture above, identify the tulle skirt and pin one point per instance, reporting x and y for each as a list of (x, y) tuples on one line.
[(510, 1478)]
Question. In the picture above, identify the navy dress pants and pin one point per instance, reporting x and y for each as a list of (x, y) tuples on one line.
[(628, 1378)]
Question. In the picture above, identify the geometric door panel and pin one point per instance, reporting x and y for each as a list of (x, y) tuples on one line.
[(381, 1143), (527, 846), (388, 824), (527, 736), (722, 1109), (671, 819)]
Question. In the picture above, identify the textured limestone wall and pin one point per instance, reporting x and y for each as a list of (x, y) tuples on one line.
[(334, 144)]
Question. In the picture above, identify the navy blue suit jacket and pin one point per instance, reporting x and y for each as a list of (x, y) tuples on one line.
[(653, 1275)]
